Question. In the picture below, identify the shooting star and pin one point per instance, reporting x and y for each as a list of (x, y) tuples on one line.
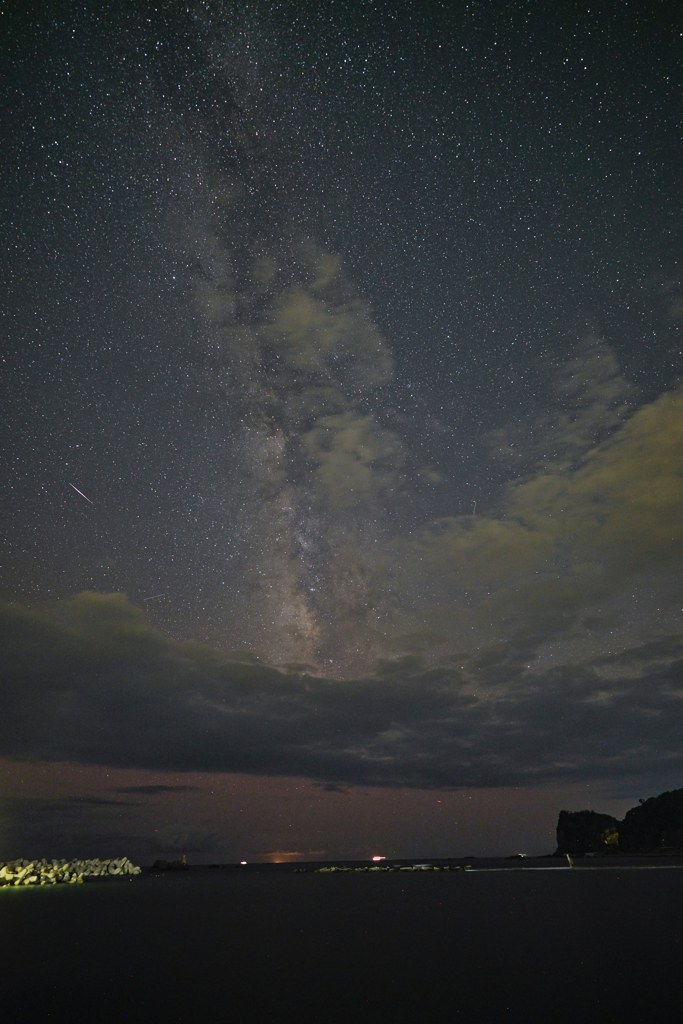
[(81, 493), (153, 597)]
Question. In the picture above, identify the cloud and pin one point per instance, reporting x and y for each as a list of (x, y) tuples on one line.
[(64, 827), (291, 853), (207, 837), (591, 400), (121, 695), (355, 459), (154, 790), (313, 335), (567, 540), (299, 364), (96, 801)]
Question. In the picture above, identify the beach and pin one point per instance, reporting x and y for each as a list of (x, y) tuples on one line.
[(269, 944)]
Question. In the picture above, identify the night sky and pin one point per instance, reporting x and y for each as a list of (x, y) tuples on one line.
[(342, 348)]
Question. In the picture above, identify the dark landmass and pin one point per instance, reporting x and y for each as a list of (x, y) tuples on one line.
[(653, 828), (170, 865)]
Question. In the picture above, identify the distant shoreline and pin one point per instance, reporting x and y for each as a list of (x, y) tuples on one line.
[(450, 865)]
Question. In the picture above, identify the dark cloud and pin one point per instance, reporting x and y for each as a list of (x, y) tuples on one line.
[(94, 684), (69, 826), (96, 801), (154, 790), (208, 836)]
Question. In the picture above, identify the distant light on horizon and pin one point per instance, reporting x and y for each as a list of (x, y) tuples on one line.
[(379, 858)]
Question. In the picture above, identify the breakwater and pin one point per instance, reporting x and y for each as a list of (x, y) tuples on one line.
[(51, 872), (390, 868)]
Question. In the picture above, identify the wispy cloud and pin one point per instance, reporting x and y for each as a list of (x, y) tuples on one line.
[(155, 790)]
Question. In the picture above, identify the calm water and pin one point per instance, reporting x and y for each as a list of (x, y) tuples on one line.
[(272, 946)]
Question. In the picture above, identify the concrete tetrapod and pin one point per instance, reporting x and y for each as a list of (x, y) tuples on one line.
[(45, 872)]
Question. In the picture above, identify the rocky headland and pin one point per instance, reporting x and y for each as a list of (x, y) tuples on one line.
[(50, 872), (170, 865), (652, 827)]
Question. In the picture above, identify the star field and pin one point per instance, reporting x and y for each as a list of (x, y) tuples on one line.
[(345, 340)]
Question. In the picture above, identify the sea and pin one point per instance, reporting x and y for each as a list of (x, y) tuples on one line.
[(525, 941)]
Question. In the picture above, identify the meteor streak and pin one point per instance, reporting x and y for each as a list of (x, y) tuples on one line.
[(81, 493), (153, 597)]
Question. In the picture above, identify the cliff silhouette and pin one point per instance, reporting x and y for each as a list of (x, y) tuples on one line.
[(653, 826)]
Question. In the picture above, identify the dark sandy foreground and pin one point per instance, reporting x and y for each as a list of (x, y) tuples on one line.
[(554, 947)]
